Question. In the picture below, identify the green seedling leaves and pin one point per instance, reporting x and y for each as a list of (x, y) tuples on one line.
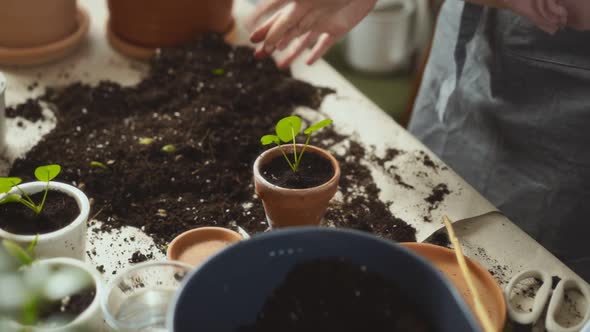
[(11, 198), (169, 148), (17, 252), (98, 164), (270, 139), (218, 71), (318, 126), (7, 183), (288, 128), (47, 173), (146, 141)]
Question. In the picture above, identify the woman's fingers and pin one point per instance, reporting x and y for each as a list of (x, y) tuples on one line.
[(305, 25), (263, 9), (288, 20), (262, 31), (300, 45), (324, 43), (559, 10)]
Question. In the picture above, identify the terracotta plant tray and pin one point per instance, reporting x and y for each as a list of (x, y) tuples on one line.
[(446, 262), (50, 52), (145, 53)]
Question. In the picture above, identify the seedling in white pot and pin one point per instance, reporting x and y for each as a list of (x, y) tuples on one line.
[(57, 212)]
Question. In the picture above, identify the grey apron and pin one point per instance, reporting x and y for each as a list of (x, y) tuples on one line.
[(507, 106)]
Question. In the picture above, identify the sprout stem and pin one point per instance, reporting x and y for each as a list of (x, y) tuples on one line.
[(303, 150), (40, 207), (287, 158), (295, 150)]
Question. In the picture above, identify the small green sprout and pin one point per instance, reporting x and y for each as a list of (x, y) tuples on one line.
[(287, 130), (98, 164), (169, 148), (25, 257), (218, 71), (42, 173), (146, 141)]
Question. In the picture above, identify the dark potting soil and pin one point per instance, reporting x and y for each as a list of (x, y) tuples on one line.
[(30, 110), (213, 102), (69, 307), (314, 170), (438, 194), (335, 295), (59, 211)]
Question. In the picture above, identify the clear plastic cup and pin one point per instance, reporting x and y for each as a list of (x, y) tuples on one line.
[(138, 299)]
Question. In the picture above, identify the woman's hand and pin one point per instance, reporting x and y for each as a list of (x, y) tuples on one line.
[(305, 23)]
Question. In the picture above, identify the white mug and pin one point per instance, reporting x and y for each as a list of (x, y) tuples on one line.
[(388, 37)]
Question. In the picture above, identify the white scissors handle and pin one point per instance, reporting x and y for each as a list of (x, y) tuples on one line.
[(540, 299), (557, 301)]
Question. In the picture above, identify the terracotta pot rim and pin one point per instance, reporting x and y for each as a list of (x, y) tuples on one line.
[(37, 54), (140, 52), (489, 279), (310, 148), (219, 230)]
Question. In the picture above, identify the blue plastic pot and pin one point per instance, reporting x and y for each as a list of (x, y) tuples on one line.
[(230, 288)]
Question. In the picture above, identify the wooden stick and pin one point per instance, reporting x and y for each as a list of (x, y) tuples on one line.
[(480, 310)]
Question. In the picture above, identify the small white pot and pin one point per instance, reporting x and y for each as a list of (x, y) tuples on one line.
[(69, 241), (382, 42), (2, 112), (90, 319)]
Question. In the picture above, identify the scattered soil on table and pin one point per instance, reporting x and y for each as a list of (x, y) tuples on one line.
[(390, 155), (440, 238), (59, 211), (438, 194), (314, 170), (427, 161), (334, 295), (30, 110), (69, 307), (212, 102), (398, 179), (139, 257)]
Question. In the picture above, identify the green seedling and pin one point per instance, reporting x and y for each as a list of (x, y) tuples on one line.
[(287, 130), (42, 173), (146, 141), (169, 148), (25, 257), (218, 71), (98, 164)]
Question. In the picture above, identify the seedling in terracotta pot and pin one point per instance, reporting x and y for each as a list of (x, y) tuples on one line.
[(299, 194), (287, 130), (42, 173)]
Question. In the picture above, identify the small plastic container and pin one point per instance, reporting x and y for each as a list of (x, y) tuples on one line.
[(138, 299)]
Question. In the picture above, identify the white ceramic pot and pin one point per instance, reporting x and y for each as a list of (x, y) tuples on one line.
[(383, 41), (90, 319), (2, 112), (69, 241)]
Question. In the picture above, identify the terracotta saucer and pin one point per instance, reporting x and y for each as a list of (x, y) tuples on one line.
[(145, 53), (489, 290), (197, 245), (50, 52)]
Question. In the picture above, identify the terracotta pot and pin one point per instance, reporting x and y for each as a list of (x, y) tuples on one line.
[(156, 23), (197, 245), (294, 207), (29, 23)]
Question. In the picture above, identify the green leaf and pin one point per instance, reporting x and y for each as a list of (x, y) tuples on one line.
[(218, 71), (7, 183), (169, 148), (33, 244), (318, 126), (269, 139), (288, 127), (47, 173), (98, 164), (146, 141), (17, 252), (11, 198)]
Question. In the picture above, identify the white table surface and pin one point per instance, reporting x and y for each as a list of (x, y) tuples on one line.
[(504, 243)]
